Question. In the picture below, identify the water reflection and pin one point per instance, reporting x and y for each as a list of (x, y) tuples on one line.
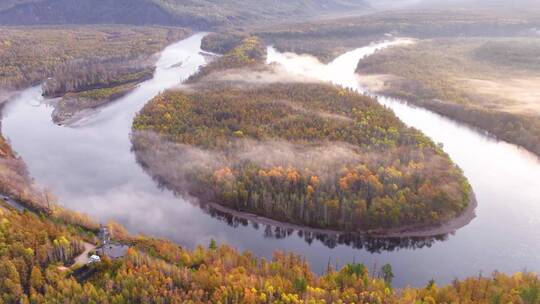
[(330, 240)]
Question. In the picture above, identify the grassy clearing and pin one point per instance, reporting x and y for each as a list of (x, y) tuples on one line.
[(471, 80)]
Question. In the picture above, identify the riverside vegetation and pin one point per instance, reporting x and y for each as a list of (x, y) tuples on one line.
[(486, 82), (16, 183), (62, 53), (34, 248), (86, 65), (299, 152)]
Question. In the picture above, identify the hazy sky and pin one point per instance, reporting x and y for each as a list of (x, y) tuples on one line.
[(393, 4)]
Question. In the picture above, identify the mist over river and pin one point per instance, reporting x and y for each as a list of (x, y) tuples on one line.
[(91, 168)]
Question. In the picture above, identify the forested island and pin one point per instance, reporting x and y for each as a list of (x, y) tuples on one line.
[(300, 152)]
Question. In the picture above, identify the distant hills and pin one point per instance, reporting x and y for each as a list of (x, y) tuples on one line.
[(200, 14)]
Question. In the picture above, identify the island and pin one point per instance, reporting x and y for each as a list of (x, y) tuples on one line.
[(244, 136)]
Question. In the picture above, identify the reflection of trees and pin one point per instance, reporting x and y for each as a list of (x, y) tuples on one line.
[(331, 240)]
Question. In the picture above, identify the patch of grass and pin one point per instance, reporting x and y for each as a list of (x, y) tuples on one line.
[(513, 53), (444, 75), (105, 93)]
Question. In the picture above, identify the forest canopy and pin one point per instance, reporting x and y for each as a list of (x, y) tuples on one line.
[(304, 153), (34, 250)]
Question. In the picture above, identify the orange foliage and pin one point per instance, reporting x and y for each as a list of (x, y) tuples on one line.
[(293, 176), (315, 181), (224, 174)]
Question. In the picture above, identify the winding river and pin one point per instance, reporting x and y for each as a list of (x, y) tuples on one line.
[(91, 168)]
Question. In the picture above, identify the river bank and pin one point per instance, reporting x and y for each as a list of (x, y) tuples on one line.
[(73, 107), (470, 80)]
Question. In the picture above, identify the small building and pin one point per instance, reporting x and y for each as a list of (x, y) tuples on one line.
[(94, 259), (109, 248)]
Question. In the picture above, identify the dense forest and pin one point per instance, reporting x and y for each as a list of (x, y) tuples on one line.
[(520, 54), (87, 85), (424, 70), (222, 43), (100, 74), (457, 77), (305, 153), (34, 249)]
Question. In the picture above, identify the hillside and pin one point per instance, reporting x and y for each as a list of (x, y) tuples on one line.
[(298, 152), (198, 14), (35, 251)]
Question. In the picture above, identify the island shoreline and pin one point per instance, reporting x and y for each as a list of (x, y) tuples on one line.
[(420, 230)]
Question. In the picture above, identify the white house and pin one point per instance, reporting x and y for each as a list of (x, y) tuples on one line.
[(94, 259)]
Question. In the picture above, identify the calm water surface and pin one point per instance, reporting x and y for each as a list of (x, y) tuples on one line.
[(91, 168)]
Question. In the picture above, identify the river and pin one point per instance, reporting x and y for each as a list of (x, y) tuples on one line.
[(91, 168)]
